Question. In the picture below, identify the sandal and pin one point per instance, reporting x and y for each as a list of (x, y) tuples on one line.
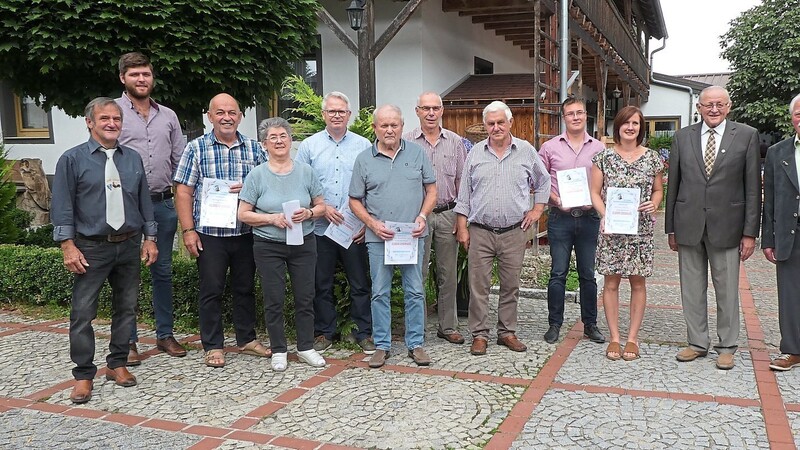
[(613, 351), (630, 348), (215, 358), (256, 348)]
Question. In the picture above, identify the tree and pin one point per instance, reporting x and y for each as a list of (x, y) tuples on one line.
[(8, 201), (67, 50), (763, 48)]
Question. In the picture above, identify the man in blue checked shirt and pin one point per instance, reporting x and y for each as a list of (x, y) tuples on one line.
[(223, 154)]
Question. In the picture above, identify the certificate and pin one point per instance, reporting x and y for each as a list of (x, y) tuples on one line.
[(573, 187), (622, 210), (403, 248), (294, 232), (343, 233), (217, 204)]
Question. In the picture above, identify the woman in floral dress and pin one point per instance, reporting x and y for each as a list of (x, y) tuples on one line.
[(627, 165)]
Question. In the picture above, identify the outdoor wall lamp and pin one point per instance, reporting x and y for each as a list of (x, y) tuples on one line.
[(355, 12), (616, 92)]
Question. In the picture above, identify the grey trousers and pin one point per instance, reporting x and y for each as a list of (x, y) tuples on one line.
[(693, 262), (788, 275), (509, 249), (441, 238)]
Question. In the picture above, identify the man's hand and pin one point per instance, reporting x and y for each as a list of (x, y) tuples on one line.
[(333, 215), (530, 218), (770, 255), (235, 188), (73, 258), (149, 252), (191, 241), (673, 244), (359, 237), (746, 247), (421, 225), (380, 230)]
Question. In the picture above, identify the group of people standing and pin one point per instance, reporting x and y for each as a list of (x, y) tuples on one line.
[(113, 204)]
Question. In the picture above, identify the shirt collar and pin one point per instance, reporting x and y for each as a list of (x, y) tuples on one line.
[(719, 129), (95, 146), (586, 137), (797, 142), (214, 140), (129, 104), (418, 133), (376, 153), (344, 136)]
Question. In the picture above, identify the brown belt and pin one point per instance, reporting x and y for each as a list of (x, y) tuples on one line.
[(113, 238)]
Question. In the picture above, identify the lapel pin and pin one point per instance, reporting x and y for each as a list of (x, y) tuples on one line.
[(785, 163), (723, 150)]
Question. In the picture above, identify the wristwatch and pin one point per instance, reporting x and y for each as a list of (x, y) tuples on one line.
[(151, 238)]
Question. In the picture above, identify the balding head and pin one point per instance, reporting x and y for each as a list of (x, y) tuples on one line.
[(225, 116), (714, 105)]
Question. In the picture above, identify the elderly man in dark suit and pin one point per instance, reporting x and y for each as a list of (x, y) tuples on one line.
[(780, 219), (712, 217)]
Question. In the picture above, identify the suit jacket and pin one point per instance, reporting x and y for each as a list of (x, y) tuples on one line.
[(781, 197), (728, 204)]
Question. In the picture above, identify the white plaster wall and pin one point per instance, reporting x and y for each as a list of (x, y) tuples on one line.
[(666, 101), (67, 133)]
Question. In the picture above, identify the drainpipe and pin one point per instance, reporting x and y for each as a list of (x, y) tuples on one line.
[(563, 70), (670, 84)]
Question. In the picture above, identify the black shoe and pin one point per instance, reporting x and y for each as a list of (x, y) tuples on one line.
[(593, 333), (552, 334)]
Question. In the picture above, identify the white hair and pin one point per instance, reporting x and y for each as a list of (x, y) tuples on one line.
[(793, 103), (394, 108), (438, 97), (497, 106), (714, 88), (335, 94)]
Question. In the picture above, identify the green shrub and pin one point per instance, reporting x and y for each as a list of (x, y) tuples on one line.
[(8, 201)]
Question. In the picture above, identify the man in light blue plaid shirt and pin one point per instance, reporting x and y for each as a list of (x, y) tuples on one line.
[(223, 154)]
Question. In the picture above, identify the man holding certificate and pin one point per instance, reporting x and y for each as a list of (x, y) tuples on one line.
[(340, 236), (572, 222), (494, 197), (393, 190), (214, 236)]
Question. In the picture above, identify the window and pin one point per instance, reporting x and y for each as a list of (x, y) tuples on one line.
[(310, 69), (483, 67), (22, 119), (662, 126)]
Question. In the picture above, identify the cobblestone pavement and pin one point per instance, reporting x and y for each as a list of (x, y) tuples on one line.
[(562, 395)]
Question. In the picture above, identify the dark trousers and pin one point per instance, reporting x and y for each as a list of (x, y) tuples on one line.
[(119, 264), (273, 259), (356, 268), (789, 300), (565, 233), (219, 254)]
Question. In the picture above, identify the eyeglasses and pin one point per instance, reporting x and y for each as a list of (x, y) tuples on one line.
[(278, 137), (579, 113), (428, 109), (336, 112), (711, 106)]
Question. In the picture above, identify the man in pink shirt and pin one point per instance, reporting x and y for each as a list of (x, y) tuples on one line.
[(574, 227)]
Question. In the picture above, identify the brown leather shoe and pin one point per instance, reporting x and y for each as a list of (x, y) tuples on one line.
[(82, 392), (120, 376), (378, 358), (419, 356), (511, 341), (170, 346), (451, 336), (689, 354), (479, 345), (133, 355), (725, 361), (785, 362)]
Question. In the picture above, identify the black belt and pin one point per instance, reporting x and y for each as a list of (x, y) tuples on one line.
[(445, 207), (574, 212), (114, 238), (160, 196), (496, 230)]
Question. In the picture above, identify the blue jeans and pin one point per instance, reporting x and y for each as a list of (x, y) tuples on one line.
[(565, 233), (413, 297), (161, 270), (119, 264)]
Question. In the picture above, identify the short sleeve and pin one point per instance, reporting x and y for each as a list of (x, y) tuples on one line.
[(251, 189), (357, 180)]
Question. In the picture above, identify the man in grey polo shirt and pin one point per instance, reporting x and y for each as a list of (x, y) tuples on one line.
[(393, 181), (447, 154), (494, 198)]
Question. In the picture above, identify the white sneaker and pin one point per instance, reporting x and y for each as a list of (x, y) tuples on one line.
[(278, 362), (311, 357)]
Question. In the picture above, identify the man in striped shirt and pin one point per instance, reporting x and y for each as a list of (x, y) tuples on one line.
[(494, 198), (447, 154)]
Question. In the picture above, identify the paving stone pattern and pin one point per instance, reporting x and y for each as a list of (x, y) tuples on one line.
[(563, 395)]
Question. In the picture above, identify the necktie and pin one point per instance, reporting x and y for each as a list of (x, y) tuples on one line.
[(710, 154), (115, 209)]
